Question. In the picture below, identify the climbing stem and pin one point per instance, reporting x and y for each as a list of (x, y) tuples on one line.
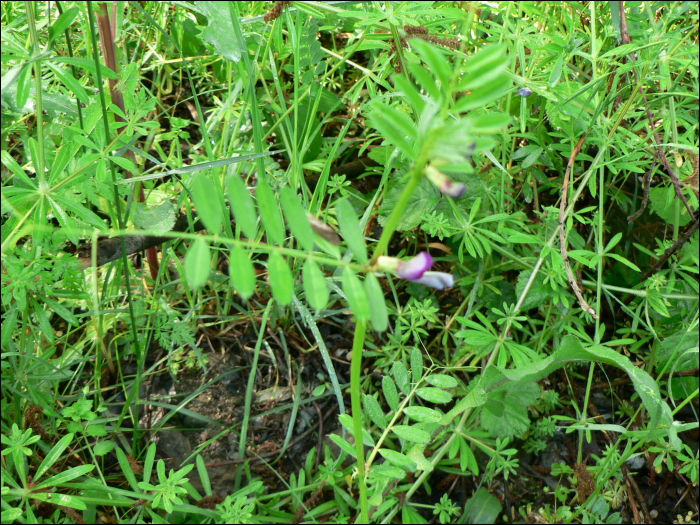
[(356, 398), (393, 220)]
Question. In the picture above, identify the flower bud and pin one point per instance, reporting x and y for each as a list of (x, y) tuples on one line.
[(444, 183)]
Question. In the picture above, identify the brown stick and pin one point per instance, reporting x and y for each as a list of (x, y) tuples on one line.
[(562, 230), (110, 54), (647, 187), (673, 249), (110, 249), (659, 148)]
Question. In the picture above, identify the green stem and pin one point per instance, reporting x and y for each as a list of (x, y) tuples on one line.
[(393, 220), (356, 398)]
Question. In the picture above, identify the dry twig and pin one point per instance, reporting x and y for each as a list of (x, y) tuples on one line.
[(562, 230)]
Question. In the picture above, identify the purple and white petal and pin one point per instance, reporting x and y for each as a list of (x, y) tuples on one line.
[(439, 280), (444, 183), (525, 92), (415, 268), (453, 189)]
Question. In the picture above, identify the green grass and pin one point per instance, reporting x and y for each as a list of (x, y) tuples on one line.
[(245, 117)]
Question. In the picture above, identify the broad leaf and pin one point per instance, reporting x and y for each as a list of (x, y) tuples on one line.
[(434, 395), (296, 218), (242, 272), (206, 199), (423, 414), (269, 207), (416, 364), (374, 411), (398, 459), (242, 206), (412, 434), (355, 294), (391, 394), (281, 279), (315, 285), (218, 31), (377, 306), (398, 370), (198, 263)]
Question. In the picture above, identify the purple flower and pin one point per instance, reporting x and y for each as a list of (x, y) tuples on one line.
[(416, 270), (413, 269), (444, 183), (524, 92), (439, 280)]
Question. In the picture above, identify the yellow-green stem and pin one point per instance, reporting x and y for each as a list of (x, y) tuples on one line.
[(393, 220), (356, 398)]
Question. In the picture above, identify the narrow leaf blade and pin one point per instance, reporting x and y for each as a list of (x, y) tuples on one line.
[(352, 233)]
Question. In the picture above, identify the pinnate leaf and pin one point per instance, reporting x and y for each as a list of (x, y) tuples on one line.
[(280, 279), (352, 233), (242, 272), (270, 213), (242, 206), (315, 285)]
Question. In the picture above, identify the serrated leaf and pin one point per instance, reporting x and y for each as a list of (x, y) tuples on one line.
[(269, 208), (242, 272), (398, 370), (103, 447), (422, 414), (391, 394), (281, 279), (482, 507), (377, 306), (398, 459), (242, 206), (296, 218), (160, 218), (374, 411), (218, 31), (355, 294), (352, 232), (416, 364), (315, 285), (571, 349), (198, 263), (434, 395), (442, 381), (412, 434), (206, 198), (515, 398)]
